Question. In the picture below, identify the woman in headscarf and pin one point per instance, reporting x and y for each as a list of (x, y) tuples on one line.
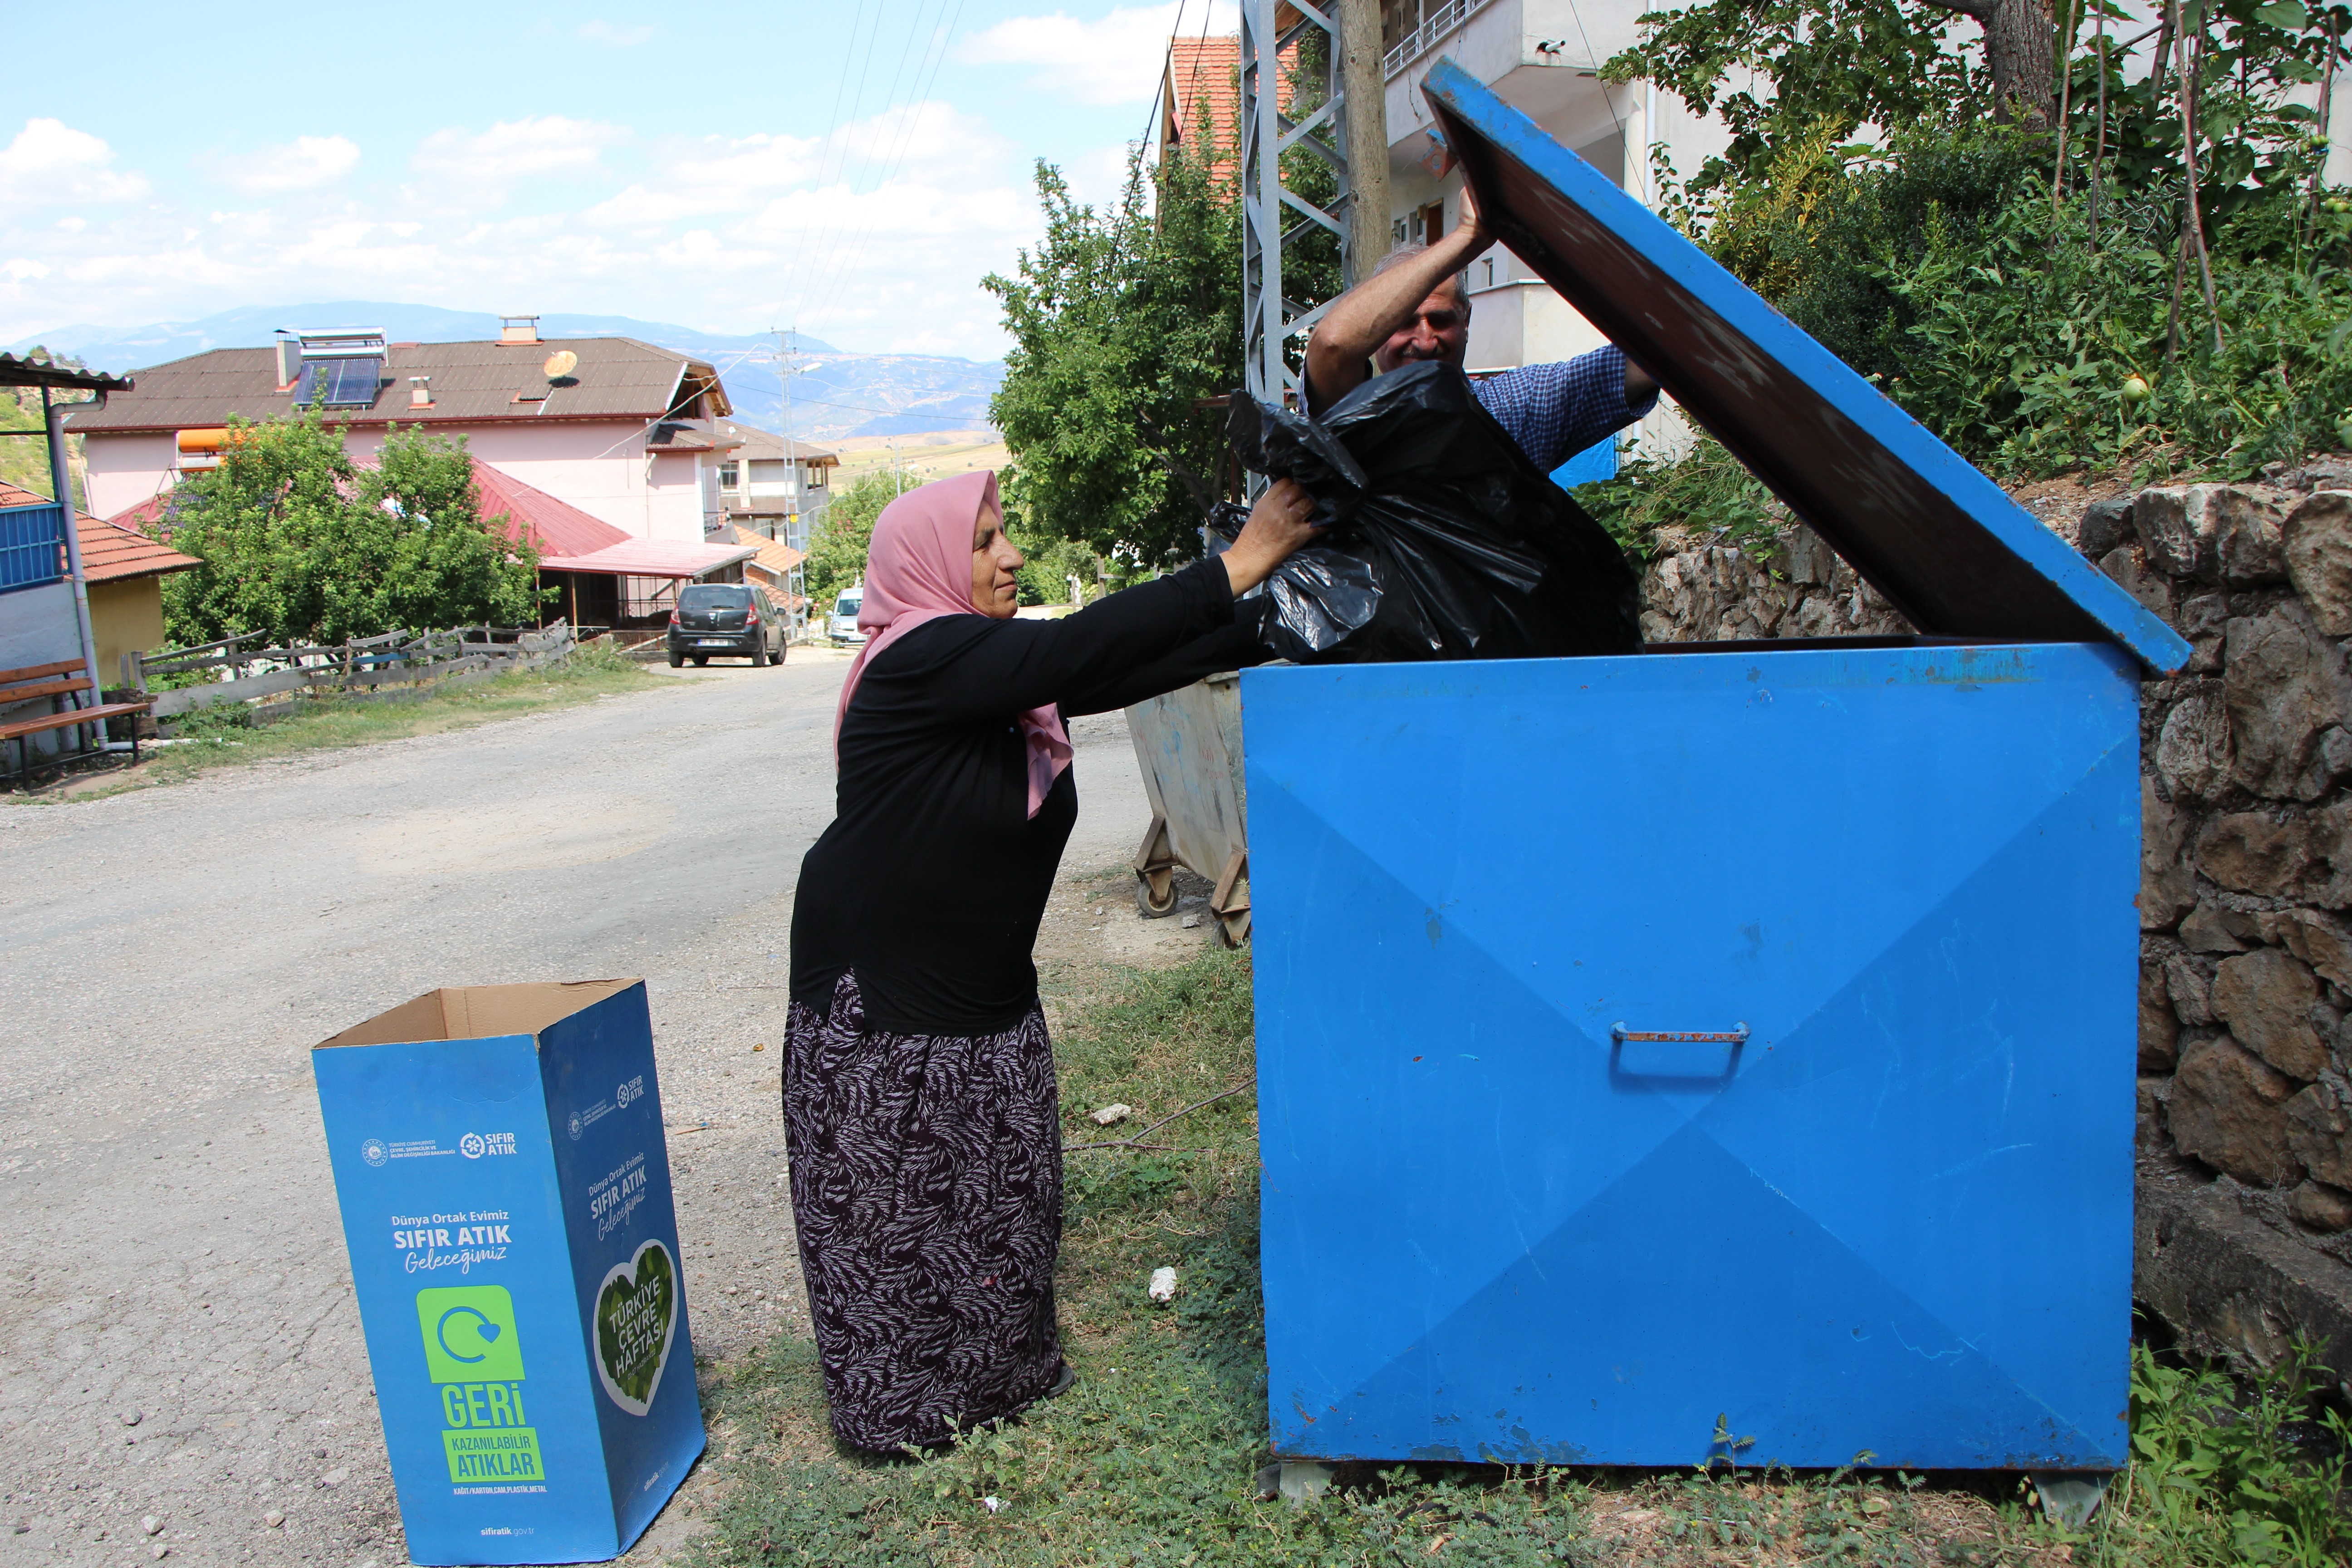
[(919, 1106)]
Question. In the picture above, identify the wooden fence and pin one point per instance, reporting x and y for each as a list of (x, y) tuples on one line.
[(393, 666)]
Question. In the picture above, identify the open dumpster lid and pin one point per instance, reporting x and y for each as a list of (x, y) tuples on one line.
[(1939, 540)]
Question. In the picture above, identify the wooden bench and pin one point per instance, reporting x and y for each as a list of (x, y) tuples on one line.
[(72, 704)]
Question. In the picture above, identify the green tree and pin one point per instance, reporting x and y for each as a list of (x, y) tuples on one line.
[(2034, 296), (1125, 323), (1049, 566), (299, 542), (837, 546)]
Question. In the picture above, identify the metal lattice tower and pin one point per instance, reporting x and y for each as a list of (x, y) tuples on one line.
[(1274, 215)]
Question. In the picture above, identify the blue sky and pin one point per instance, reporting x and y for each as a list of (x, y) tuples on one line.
[(852, 168)]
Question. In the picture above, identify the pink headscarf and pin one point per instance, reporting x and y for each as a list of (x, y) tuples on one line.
[(918, 569)]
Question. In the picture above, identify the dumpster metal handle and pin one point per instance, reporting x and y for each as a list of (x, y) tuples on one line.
[(1736, 1036)]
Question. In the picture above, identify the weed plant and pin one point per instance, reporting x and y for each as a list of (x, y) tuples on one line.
[(1707, 492), (2221, 1475)]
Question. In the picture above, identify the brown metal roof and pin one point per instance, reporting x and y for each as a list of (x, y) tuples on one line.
[(766, 446), (471, 384)]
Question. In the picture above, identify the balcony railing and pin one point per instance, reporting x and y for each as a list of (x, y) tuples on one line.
[(1435, 26), (32, 545)]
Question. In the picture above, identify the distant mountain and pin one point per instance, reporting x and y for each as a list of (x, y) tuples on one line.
[(835, 393)]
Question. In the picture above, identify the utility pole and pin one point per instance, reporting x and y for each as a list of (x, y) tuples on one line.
[(1364, 106), (1272, 214)]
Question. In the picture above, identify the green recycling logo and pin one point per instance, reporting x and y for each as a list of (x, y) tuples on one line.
[(637, 1316), (470, 1334)]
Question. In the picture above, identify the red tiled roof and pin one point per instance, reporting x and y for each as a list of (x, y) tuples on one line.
[(111, 553), (113, 550), (559, 527), (146, 515), (649, 558), (776, 557), (1204, 80), (1203, 77)]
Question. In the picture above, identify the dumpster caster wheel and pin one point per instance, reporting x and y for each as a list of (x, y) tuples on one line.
[(2070, 1497), (1155, 894), (1304, 1481)]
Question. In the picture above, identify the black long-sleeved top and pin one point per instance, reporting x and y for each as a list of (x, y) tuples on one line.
[(933, 877)]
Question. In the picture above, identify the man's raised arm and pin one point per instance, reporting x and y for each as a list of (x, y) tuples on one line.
[(1339, 350)]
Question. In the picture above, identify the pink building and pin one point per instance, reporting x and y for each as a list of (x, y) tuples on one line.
[(623, 431)]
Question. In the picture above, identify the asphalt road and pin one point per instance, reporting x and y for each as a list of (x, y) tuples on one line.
[(178, 1340)]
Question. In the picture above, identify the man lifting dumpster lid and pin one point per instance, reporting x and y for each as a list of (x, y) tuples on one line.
[(1415, 307), (1448, 537)]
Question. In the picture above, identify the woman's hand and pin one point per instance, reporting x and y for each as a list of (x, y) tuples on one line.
[(1277, 525)]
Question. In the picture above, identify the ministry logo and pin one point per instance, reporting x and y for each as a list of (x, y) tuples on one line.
[(372, 1151)]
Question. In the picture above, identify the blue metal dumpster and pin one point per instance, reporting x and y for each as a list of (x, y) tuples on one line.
[(1723, 1052)]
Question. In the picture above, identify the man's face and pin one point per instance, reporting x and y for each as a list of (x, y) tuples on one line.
[(1439, 330)]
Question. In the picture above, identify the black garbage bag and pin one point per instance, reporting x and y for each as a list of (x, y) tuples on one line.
[(1446, 541)]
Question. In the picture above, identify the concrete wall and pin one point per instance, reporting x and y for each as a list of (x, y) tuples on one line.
[(38, 626), (128, 469), (125, 615), (2245, 978)]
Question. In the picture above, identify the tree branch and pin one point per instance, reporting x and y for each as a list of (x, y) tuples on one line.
[(1137, 1141)]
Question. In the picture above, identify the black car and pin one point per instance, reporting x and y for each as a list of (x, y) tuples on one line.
[(734, 620)]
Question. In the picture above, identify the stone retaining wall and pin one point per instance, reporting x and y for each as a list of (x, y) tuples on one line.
[(2245, 982)]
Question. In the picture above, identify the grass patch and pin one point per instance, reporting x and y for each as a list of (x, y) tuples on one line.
[(226, 734), (1153, 1457)]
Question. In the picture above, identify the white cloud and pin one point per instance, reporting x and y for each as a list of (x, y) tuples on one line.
[(480, 166), (933, 141), (301, 164), (620, 37), (876, 239), (1114, 60), (50, 163)]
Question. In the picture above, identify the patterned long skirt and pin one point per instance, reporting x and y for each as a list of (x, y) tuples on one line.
[(927, 1189)]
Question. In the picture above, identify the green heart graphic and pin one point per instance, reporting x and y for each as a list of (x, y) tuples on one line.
[(637, 1312)]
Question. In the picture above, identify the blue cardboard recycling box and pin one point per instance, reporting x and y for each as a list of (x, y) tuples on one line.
[(498, 1157)]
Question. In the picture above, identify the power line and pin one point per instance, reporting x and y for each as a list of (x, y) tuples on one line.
[(909, 122), (1167, 74), (857, 100), (824, 148)]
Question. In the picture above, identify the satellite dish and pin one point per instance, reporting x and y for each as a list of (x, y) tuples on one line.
[(561, 363)]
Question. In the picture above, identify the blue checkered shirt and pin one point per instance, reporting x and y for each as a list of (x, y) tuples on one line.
[(1555, 411)]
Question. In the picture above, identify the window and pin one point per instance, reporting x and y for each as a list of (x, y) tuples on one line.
[(1433, 223), (32, 545), (816, 478), (339, 382), (729, 477), (715, 596)]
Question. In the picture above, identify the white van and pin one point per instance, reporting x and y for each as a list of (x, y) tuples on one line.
[(841, 627)]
